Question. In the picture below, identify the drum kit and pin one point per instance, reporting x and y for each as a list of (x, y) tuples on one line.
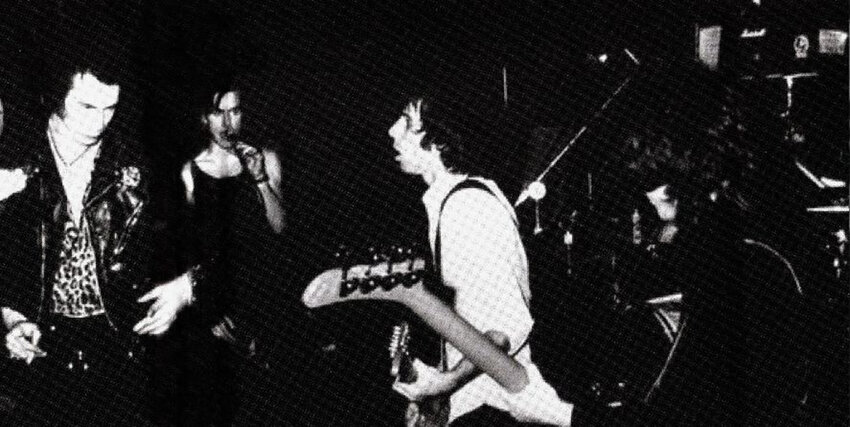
[(630, 338)]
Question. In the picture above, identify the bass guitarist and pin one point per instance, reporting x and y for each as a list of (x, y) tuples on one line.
[(479, 256)]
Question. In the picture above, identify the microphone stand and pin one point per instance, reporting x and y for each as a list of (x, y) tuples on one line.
[(526, 193), (536, 190)]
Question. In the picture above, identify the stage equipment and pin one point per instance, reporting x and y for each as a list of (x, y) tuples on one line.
[(536, 189)]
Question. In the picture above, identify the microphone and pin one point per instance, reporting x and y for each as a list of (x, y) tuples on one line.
[(523, 196), (536, 190)]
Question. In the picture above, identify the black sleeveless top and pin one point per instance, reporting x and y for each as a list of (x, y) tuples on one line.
[(234, 244)]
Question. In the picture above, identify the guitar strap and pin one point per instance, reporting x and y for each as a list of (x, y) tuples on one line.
[(441, 289), (468, 183)]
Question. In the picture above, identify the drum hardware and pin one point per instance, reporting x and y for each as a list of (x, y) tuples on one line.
[(669, 313), (841, 252), (630, 372), (661, 374), (789, 84), (836, 248), (569, 240), (829, 209), (809, 175)]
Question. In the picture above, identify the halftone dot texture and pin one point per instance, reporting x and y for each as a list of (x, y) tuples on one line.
[(327, 80)]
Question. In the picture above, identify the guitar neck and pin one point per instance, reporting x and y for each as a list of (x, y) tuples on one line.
[(474, 345)]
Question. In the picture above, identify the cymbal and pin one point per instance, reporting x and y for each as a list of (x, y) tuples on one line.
[(829, 209), (666, 299)]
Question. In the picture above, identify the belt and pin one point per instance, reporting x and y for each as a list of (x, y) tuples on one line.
[(88, 344)]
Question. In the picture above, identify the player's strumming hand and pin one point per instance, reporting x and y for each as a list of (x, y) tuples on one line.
[(429, 382)]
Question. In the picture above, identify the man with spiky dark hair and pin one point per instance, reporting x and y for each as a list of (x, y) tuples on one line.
[(75, 287)]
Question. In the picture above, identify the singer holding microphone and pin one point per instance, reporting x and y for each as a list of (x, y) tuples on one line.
[(233, 218)]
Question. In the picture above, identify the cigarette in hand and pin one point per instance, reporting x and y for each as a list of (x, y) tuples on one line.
[(33, 354)]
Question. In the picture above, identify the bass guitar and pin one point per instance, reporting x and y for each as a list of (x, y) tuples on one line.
[(529, 398), (401, 282)]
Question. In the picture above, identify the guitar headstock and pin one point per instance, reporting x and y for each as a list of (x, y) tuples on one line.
[(384, 275)]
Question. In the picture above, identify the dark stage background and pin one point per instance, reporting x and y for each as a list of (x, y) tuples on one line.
[(327, 79)]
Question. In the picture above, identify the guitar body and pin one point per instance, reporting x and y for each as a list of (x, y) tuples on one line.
[(433, 412)]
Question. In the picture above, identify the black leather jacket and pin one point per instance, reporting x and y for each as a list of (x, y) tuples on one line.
[(118, 210)]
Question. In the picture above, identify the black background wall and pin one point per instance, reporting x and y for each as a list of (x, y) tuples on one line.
[(327, 80)]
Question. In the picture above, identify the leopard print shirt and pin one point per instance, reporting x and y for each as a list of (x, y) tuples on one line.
[(76, 292)]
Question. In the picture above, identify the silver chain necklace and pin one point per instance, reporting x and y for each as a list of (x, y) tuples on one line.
[(59, 153)]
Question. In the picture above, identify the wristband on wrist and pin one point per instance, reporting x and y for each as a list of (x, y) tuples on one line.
[(195, 276)]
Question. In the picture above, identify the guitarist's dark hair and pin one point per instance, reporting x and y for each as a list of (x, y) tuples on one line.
[(445, 128)]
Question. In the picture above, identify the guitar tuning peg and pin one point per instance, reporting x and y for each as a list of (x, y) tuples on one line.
[(391, 281), (411, 279), (369, 284), (349, 286)]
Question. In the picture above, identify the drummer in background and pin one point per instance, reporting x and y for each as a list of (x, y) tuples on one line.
[(733, 360)]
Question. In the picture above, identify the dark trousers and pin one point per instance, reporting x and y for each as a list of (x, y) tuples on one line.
[(485, 416), (488, 416), (89, 377)]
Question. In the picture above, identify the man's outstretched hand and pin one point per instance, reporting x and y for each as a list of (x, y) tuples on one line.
[(168, 299)]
